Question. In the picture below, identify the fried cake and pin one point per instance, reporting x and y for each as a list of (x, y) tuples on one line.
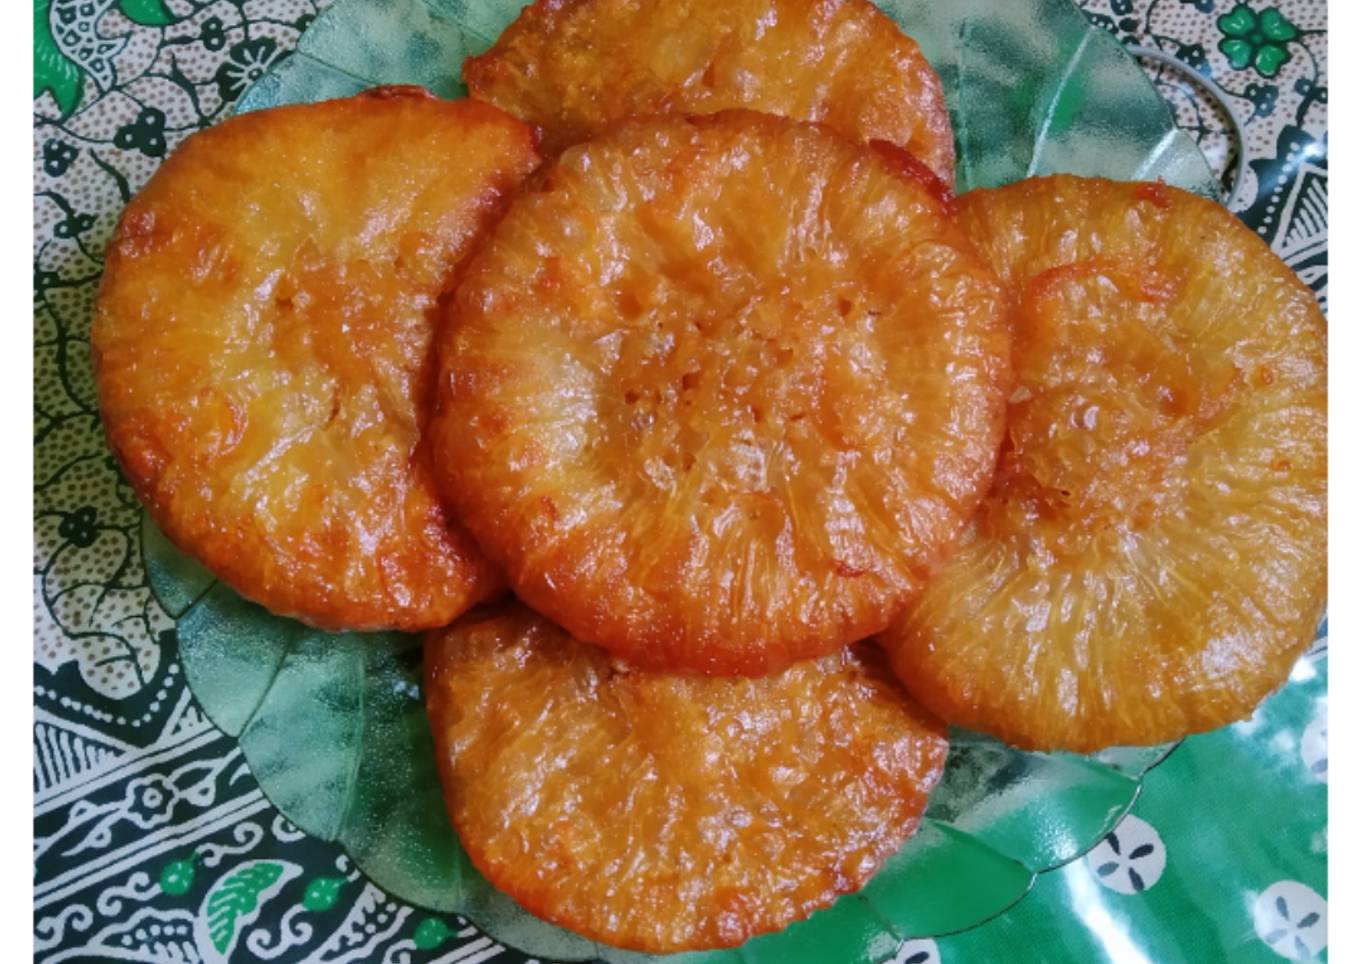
[(571, 67), (1151, 560), (262, 348), (666, 812), (718, 392)]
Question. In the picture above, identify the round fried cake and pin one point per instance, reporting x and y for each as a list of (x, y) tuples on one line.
[(573, 66), (1152, 558), (718, 392), (664, 812), (262, 348)]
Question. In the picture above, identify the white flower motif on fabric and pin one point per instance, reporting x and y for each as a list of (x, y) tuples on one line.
[(149, 801), (246, 835), (48, 932), (284, 830), (358, 936), (150, 934), (1291, 919), (292, 933), (923, 951), (139, 888), (1130, 859)]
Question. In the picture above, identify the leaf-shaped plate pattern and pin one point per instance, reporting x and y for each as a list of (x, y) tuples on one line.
[(333, 725)]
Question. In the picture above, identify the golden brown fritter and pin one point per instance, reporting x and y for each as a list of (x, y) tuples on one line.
[(664, 812), (718, 392), (573, 66), (262, 345), (1152, 558)]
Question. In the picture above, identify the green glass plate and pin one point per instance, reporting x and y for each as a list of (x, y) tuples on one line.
[(333, 726)]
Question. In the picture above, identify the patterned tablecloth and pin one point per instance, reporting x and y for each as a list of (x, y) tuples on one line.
[(152, 839)]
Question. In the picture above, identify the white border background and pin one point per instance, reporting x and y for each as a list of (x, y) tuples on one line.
[(16, 531)]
